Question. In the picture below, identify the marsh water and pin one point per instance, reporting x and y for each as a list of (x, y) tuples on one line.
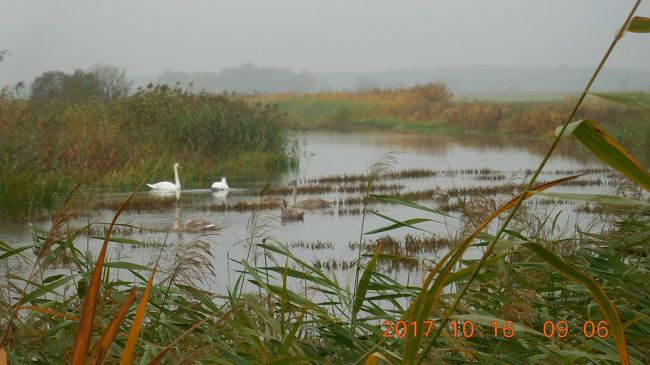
[(324, 236)]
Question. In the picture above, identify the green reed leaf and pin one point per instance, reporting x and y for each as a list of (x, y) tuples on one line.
[(600, 297), (364, 283), (594, 137), (637, 99), (597, 198), (639, 24)]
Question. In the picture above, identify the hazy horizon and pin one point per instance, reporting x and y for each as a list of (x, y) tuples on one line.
[(150, 37)]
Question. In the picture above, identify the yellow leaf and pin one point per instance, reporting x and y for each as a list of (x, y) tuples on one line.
[(129, 349)]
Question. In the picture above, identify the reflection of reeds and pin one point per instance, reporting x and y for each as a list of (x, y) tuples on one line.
[(312, 245), (410, 245), (122, 230), (139, 204), (402, 253)]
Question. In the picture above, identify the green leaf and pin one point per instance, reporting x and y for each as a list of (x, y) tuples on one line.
[(126, 266), (128, 241), (466, 271), (637, 99), (43, 289), (596, 198), (400, 201), (15, 251), (639, 24), (364, 283), (594, 137), (605, 304), (398, 224), (290, 360)]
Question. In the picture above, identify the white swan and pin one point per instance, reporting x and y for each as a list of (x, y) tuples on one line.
[(220, 185), (166, 185)]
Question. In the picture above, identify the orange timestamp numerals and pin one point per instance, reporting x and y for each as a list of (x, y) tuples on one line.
[(560, 329), (401, 329)]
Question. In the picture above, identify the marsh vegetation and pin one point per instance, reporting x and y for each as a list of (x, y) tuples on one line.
[(471, 251)]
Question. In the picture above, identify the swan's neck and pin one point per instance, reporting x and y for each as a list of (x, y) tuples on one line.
[(178, 182)]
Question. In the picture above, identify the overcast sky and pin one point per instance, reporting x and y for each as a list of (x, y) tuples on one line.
[(148, 37)]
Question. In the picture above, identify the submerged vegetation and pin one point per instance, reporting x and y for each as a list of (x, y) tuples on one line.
[(533, 294), (65, 135)]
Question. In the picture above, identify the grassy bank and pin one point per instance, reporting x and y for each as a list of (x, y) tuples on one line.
[(46, 147), (431, 108)]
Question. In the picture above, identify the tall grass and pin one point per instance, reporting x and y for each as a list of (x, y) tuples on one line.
[(47, 147), (417, 103), (535, 296), (430, 108)]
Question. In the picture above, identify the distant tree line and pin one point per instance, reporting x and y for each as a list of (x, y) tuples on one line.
[(103, 82), (246, 78)]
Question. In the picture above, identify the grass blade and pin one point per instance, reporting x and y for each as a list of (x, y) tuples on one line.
[(639, 24), (637, 99), (428, 297), (602, 300), (362, 287), (49, 311), (89, 306), (398, 224), (400, 201), (594, 137), (158, 359), (129, 349), (102, 346), (597, 198)]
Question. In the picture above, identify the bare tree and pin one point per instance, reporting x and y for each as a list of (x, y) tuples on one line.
[(113, 82)]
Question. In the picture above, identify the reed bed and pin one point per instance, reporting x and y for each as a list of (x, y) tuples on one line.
[(536, 295), (409, 246), (296, 301), (117, 145)]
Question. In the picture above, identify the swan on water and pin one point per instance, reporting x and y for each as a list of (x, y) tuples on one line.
[(192, 225), (198, 225), (220, 185), (166, 185), (290, 214), (309, 203)]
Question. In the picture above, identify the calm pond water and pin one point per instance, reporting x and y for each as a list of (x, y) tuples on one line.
[(327, 154)]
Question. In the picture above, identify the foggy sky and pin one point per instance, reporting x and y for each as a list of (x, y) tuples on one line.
[(149, 37)]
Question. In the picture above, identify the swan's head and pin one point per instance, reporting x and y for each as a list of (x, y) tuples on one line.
[(223, 179), (177, 165)]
